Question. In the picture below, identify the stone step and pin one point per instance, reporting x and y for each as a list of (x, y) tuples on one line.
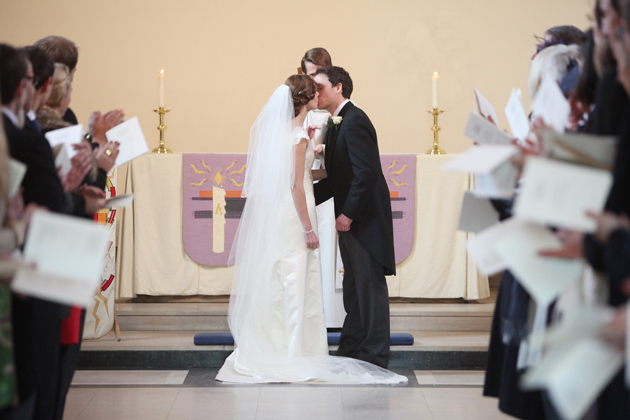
[(213, 316), (176, 350)]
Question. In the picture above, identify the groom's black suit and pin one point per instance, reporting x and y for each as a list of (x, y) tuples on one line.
[(355, 180)]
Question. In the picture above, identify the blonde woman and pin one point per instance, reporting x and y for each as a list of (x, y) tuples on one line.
[(50, 116)]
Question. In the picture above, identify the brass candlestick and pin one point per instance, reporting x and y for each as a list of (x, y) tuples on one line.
[(162, 147), (435, 150)]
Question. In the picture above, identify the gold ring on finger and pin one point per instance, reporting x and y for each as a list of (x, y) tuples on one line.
[(108, 152)]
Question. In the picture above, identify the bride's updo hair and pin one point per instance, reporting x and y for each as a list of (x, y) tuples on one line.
[(303, 90)]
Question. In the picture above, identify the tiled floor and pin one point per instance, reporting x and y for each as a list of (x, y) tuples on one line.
[(431, 395)]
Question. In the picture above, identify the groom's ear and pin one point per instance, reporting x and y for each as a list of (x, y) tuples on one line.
[(339, 88)]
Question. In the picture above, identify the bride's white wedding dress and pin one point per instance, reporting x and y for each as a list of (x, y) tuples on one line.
[(276, 308)]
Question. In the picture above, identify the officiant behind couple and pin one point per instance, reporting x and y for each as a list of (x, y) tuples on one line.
[(276, 310)]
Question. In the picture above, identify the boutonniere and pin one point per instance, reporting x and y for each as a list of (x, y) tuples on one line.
[(334, 122)]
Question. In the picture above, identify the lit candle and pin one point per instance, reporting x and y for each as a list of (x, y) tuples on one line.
[(161, 89), (435, 79)]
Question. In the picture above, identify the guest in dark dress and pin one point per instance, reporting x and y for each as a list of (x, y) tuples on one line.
[(510, 320)]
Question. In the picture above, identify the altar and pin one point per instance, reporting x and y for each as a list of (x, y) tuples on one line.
[(152, 259)]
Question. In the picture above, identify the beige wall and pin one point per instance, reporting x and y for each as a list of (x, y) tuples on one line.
[(224, 58)]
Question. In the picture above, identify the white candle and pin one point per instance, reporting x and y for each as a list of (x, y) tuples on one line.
[(435, 80), (161, 89)]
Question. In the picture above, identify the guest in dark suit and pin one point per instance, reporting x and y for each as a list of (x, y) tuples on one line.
[(364, 219), (37, 322)]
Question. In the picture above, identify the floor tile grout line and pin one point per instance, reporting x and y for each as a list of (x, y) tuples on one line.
[(173, 405), (88, 404), (257, 403)]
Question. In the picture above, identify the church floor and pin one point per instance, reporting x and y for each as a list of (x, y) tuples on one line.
[(194, 394)]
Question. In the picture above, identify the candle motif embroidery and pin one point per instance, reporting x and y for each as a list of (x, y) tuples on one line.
[(218, 220)]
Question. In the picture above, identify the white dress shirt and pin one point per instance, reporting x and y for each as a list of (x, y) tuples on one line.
[(340, 107), (6, 111)]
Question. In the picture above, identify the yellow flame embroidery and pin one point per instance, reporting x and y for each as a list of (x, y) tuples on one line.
[(236, 183), (198, 184), (197, 170), (402, 184), (230, 167), (401, 171), (98, 320), (207, 167), (240, 171), (100, 294), (392, 165)]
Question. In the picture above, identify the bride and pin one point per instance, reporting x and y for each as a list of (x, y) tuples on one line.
[(276, 312)]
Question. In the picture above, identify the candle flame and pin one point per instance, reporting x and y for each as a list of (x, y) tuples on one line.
[(435, 74), (162, 72)]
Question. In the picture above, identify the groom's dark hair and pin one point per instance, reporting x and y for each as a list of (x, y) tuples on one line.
[(338, 75)]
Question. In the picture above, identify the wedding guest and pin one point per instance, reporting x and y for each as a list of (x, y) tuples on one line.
[(37, 322), (63, 51), (611, 116), (314, 59), (43, 70), (50, 116), (13, 222), (564, 34), (553, 62), (510, 324)]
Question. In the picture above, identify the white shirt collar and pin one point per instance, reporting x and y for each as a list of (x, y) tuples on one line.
[(31, 115), (340, 107), (6, 111)]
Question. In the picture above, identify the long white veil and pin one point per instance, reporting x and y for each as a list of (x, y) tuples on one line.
[(256, 250)]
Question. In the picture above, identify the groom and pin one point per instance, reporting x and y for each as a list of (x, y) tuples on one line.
[(364, 218)]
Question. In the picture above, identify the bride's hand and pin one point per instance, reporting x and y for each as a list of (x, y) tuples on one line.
[(318, 149), (311, 130), (312, 242)]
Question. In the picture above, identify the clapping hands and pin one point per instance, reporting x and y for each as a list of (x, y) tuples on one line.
[(94, 198), (99, 124), (81, 165), (106, 155)]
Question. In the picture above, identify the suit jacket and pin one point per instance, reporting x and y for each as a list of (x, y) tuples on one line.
[(355, 179), (41, 183)]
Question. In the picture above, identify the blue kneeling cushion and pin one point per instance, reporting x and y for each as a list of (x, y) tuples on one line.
[(395, 339), (226, 339), (214, 339)]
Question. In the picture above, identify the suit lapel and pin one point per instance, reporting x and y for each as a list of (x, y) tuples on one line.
[(332, 133)]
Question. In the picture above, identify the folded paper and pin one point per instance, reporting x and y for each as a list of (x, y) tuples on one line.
[(544, 278), (560, 194), (476, 213), (68, 253), (483, 132), (68, 136), (131, 139)]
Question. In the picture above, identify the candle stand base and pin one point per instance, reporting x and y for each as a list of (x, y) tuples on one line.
[(161, 146), (435, 150), (162, 150)]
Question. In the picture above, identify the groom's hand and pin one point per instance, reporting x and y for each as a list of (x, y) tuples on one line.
[(343, 223)]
